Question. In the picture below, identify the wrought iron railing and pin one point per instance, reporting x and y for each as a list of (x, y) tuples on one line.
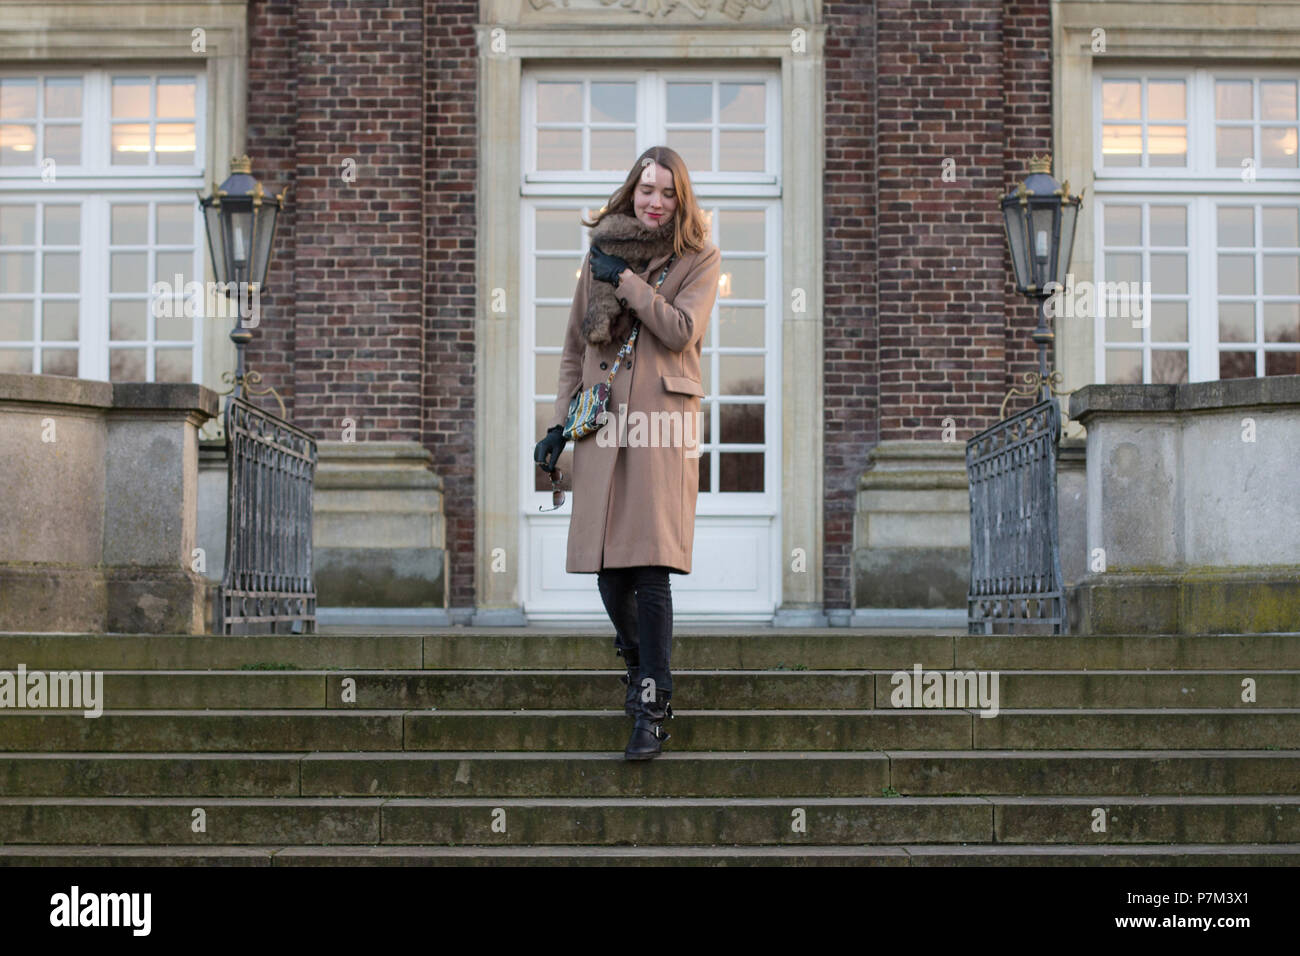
[(1015, 560), (267, 586)]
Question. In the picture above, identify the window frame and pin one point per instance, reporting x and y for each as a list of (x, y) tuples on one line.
[(743, 190), (1200, 125), (95, 187), (1202, 187), (651, 122)]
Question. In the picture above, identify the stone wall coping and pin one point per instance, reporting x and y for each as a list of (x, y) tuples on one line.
[(55, 390), (165, 396), (379, 452), (912, 450), (930, 479), (135, 396), (375, 479), (1072, 451), (1092, 400), (374, 465)]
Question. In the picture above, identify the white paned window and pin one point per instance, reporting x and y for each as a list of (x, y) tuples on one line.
[(1146, 242), (1257, 266), (40, 117), (581, 136), (725, 126), (1197, 180), (40, 279), (98, 177), (734, 365), (1144, 122), (585, 125)]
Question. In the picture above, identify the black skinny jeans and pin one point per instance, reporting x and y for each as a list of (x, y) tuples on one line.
[(640, 603)]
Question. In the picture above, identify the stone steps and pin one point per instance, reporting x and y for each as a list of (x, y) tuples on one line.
[(684, 821), (676, 774), (705, 730), (720, 689), (1184, 855), (436, 744), (527, 649)]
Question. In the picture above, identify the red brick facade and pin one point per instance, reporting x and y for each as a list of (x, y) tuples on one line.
[(921, 320), (372, 310)]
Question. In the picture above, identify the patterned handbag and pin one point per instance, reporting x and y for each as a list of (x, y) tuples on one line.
[(587, 408)]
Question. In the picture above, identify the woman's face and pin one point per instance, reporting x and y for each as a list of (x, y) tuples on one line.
[(654, 200)]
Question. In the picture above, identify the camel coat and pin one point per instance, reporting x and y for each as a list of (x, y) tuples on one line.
[(633, 502)]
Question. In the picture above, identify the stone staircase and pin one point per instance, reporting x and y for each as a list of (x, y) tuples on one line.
[(468, 746)]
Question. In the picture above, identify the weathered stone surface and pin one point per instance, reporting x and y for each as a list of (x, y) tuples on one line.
[(51, 598), (1200, 601), (1092, 400), (1193, 520), (98, 530), (912, 577), (379, 577)]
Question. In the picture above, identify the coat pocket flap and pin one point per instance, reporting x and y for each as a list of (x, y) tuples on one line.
[(684, 385)]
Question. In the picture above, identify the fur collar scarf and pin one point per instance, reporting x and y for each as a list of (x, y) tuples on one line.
[(619, 234)]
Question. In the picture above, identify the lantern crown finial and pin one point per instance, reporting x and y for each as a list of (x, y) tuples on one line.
[(1041, 164), (241, 164)]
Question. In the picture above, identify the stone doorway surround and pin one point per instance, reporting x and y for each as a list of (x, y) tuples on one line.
[(787, 33)]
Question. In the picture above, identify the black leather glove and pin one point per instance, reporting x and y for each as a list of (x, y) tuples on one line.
[(606, 268), (550, 447)]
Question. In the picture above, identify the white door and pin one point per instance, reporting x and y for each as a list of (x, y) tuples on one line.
[(581, 134)]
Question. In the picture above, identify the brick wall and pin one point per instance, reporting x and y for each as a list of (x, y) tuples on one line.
[(849, 339), (922, 322), (1027, 54), (370, 316), (272, 118), (451, 185)]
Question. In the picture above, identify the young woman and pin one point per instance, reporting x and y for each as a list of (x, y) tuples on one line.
[(651, 271)]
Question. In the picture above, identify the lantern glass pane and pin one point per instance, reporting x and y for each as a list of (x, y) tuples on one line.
[(1012, 213), (241, 242), (1044, 240), (266, 220), (216, 243), (1069, 219)]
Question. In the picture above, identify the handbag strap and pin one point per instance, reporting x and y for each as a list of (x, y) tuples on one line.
[(636, 327)]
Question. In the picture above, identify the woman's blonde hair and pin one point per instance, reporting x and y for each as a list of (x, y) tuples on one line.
[(691, 226)]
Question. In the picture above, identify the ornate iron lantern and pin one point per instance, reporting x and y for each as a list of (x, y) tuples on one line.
[(241, 219), (1040, 217)]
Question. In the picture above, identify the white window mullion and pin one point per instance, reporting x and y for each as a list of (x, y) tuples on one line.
[(196, 326), (38, 282), (1200, 124), (1203, 311), (1258, 307), (585, 135), (1144, 271), (528, 141), (774, 125), (651, 111)]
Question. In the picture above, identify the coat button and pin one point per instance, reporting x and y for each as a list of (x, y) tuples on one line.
[(622, 302), (603, 365)]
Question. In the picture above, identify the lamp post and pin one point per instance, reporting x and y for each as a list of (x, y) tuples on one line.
[(241, 218), (1040, 217)]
